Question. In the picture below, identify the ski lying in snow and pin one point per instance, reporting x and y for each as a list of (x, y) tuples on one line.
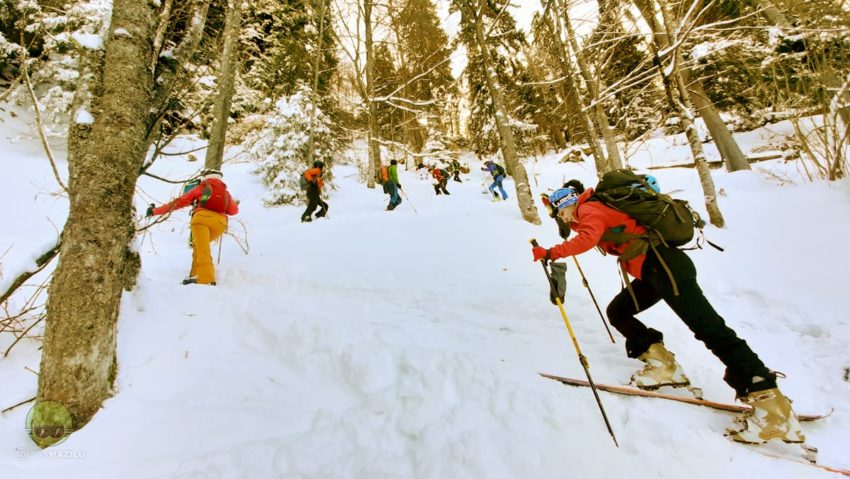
[(807, 462), (632, 391)]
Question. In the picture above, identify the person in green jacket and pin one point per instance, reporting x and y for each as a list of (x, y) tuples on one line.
[(392, 185)]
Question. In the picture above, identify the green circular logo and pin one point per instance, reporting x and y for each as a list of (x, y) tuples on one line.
[(49, 423)]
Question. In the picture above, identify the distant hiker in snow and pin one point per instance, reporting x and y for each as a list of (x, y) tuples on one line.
[(455, 169), (388, 178), (498, 174), (441, 180), (211, 204), (663, 272), (313, 182)]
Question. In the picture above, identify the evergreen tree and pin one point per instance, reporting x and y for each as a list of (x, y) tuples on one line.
[(280, 147), (424, 68), (279, 40), (506, 45)]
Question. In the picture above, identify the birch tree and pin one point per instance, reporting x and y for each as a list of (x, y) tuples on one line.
[(472, 15), (679, 96), (373, 145), (571, 92), (613, 159), (732, 155)]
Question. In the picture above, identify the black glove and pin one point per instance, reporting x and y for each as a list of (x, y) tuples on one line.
[(149, 211), (399, 185)]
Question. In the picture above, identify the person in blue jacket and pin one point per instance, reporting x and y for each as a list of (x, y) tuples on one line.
[(498, 174)]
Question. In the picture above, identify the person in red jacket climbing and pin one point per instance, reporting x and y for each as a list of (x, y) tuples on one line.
[(211, 205), (441, 180), (666, 273)]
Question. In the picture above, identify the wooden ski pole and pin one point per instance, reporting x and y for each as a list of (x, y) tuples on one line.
[(582, 359)]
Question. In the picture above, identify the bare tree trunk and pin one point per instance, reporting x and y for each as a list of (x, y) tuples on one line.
[(159, 37), (104, 157), (168, 81), (317, 62), (830, 80), (374, 146), (226, 80), (679, 98), (613, 160), (729, 150), (512, 163), (570, 84)]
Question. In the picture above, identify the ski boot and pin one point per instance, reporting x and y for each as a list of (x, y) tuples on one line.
[(661, 370), (771, 418)]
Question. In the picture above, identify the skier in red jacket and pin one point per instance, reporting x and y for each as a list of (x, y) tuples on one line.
[(670, 276), (212, 204)]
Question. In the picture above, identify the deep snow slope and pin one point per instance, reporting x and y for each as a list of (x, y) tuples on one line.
[(406, 344)]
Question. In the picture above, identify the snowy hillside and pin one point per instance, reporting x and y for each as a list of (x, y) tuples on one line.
[(406, 344)]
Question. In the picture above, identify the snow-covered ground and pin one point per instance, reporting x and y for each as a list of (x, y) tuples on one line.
[(407, 344)]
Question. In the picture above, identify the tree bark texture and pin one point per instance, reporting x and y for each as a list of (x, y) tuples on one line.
[(680, 99), (226, 80), (525, 199), (170, 76), (317, 61), (613, 160), (723, 139), (577, 105), (373, 145), (830, 80), (95, 263)]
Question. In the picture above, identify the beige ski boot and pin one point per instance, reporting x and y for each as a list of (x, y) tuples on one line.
[(771, 418), (661, 370)]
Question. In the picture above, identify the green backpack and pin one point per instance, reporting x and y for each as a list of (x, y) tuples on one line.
[(669, 221)]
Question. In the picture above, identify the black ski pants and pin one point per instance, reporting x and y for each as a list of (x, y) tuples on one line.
[(742, 364), (314, 200), (441, 187)]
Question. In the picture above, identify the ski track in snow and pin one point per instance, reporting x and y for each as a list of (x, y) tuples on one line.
[(407, 344)]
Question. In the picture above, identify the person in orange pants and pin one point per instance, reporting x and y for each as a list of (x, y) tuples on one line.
[(212, 205)]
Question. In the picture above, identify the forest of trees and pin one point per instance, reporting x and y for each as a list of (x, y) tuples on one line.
[(298, 80)]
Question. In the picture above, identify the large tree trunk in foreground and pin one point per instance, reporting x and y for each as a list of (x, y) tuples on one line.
[(104, 157)]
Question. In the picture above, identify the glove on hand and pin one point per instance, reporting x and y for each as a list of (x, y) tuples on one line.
[(399, 185), (540, 253), (149, 211)]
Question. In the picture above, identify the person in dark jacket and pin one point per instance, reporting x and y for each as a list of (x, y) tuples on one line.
[(314, 192), (667, 273), (455, 169), (441, 180)]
